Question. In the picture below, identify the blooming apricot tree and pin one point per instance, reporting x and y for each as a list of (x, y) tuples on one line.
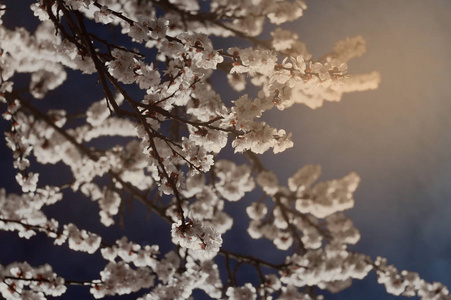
[(160, 100)]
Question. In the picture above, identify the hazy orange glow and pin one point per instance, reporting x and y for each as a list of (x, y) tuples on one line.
[(396, 138)]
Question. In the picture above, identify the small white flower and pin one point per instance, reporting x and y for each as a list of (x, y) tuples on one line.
[(257, 210), (103, 15), (246, 292), (28, 182), (205, 241), (159, 28)]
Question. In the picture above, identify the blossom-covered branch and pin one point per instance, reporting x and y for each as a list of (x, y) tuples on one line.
[(154, 62)]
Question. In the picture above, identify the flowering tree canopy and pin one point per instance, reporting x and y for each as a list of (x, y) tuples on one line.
[(155, 62)]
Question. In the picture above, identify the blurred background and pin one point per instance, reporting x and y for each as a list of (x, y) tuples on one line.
[(397, 138)]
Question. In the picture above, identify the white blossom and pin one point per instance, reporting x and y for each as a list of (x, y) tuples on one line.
[(38, 282), (28, 182), (119, 278), (257, 210), (81, 240), (234, 181), (205, 241), (158, 28), (103, 15), (245, 292)]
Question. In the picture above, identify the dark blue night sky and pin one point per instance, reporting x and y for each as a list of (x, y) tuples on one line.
[(397, 138)]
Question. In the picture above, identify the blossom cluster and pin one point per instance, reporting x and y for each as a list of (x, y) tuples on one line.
[(22, 213), (119, 278), (21, 281), (204, 241), (407, 283)]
